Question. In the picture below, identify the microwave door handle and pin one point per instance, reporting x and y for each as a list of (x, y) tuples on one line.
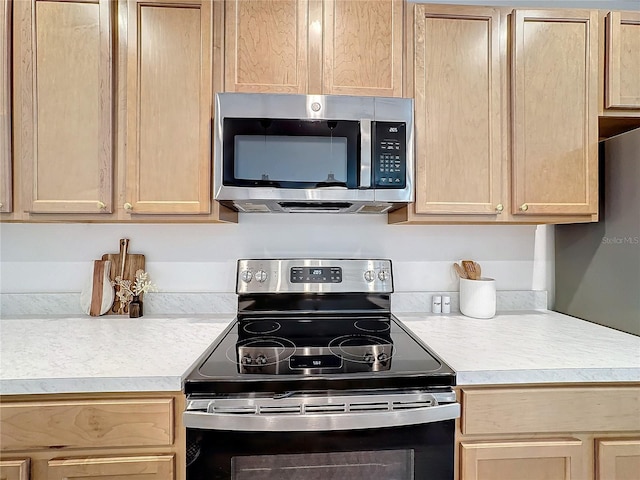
[(365, 153)]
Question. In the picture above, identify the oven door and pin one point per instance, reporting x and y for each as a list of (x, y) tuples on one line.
[(410, 442)]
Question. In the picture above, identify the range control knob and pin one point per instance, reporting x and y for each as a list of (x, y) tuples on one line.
[(383, 357), (383, 275), (260, 276), (247, 360), (369, 275), (246, 276), (369, 358), (261, 360)]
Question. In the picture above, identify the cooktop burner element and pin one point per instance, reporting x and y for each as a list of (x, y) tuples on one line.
[(261, 327), (312, 335)]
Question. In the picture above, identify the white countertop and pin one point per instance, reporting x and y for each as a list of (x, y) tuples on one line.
[(104, 354), (118, 354), (528, 347)]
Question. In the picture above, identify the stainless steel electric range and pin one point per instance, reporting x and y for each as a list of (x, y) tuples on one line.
[(316, 379)]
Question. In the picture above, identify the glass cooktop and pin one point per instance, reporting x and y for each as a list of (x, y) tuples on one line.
[(275, 354)]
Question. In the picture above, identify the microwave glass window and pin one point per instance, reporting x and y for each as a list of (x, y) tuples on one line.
[(290, 153), (280, 158)]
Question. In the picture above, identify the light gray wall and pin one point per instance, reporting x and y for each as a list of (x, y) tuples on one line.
[(598, 265), (202, 258)]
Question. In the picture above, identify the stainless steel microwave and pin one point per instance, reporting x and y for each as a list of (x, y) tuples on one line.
[(312, 153)]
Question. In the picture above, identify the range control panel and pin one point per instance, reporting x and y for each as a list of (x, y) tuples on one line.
[(314, 275)]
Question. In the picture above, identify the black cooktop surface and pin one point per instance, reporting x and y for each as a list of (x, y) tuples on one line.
[(274, 354)]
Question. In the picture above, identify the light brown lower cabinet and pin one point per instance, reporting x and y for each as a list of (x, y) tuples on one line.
[(160, 467), (559, 459), (548, 432), (99, 436), (617, 458), (16, 469)]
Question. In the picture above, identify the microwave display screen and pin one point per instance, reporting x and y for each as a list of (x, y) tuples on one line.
[(282, 158)]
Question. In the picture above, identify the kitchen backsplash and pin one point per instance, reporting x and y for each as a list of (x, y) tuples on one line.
[(44, 267), (12, 304)]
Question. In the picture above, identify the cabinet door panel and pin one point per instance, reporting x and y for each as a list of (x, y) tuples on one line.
[(14, 469), (148, 467), (555, 119), (618, 459), (623, 60), (169, 107), (86, 423), (558, 459), (6, 195), (363, 47), (66, 99), (458, 92), (266, 46)]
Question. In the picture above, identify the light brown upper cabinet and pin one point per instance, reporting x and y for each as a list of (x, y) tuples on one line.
[(63, 79), (622, 69), (6, 195), (458, 94), (506, 118), (266, 46), (169, 107), (363, 47), (314, 46), (554, 87)]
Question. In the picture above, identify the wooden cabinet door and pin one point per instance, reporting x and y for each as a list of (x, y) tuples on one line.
[(63, 91), (144, 467), (14, 469), (622, 68), (558, 459), (617, 459), (266, 46), (6, 195), (363, 43), (169, 106), (555, 113), (458, 110)]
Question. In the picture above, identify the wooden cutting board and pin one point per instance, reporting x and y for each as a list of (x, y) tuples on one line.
[(97, 296), (125, 264)]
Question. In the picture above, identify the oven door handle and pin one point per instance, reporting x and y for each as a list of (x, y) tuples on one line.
[(320, 422)]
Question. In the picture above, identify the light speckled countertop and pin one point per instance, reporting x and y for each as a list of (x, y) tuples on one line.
[(528, 347), (118, 354), (104, 354)]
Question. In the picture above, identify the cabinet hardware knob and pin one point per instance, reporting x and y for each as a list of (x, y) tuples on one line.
[(1, 204), (128, 206), (524, 207), (499, 208), (101, 205)]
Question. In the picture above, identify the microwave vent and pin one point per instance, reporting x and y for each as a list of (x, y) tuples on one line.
[(252, 207), (382, 208)]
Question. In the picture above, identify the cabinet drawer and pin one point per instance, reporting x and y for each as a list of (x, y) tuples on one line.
[(548, 410), (86, 423)]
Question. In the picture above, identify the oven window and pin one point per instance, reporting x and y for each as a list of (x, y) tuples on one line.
[(416, 452), (388, 464), (287, 153)]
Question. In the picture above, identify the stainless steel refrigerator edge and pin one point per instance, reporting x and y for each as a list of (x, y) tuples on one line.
[(598, 264)]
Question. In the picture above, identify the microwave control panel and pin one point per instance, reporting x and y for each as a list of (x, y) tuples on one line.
[(389, 163)]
